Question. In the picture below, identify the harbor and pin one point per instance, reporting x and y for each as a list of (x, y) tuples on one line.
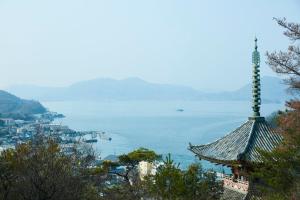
[(14, 132)]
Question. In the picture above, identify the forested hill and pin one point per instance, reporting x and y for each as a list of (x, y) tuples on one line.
[(14, 107)]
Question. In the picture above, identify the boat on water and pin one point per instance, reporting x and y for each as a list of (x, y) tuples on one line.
[(91, 140), (180, 110)]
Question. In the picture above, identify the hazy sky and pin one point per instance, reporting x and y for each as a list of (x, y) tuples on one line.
[(199, 43)]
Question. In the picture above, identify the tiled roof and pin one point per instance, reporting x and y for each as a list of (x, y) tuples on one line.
[(241, 144), (232, 195), (229, 194)]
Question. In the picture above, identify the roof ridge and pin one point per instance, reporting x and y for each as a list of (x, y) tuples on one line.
[(241, 155), (224, 136)]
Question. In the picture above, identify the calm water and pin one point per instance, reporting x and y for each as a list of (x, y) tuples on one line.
[(156, 125)]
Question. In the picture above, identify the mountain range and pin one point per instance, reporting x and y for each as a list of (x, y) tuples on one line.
[(273, 90)]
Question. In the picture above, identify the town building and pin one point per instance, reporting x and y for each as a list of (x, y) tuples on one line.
[(239, 150), (146, 168), (8, 121)]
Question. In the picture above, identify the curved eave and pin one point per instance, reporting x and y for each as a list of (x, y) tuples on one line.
[(228, 148), (241, 145), (214, 160)]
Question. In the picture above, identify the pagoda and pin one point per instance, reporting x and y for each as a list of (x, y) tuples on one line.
[(240, 148)]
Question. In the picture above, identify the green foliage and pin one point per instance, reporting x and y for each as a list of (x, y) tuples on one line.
[(39, 170), (201, 185), (136, 156), (278, 174), (131, 161), (170, 182), (273, 118), (122, 192)]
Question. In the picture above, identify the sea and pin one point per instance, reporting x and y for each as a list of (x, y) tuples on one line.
[(163, 126)]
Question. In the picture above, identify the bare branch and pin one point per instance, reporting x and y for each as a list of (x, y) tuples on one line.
[(293, 29), (284, 63)]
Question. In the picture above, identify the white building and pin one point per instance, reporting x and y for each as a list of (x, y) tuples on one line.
[(146, 168)]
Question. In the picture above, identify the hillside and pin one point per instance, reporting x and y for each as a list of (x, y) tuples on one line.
[(272, 90), (136, 89), (15, 107)]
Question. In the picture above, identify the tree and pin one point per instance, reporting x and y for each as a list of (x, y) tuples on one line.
[(170, 182), (40, 170), (7, 176), (279, 173), (130, 161), (288, 63), (130, 188), (200, 185)]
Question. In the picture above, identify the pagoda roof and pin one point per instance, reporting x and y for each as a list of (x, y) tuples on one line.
[(232, 195), (242, 144)]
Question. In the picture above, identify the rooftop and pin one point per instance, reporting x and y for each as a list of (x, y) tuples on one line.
[(242, 144)]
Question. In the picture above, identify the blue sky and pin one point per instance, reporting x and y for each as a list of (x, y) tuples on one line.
[(205, 44)]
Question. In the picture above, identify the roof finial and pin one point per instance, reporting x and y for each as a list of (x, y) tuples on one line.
[(256, 82)]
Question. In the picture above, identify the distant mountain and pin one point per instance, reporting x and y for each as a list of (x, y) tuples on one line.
[(272, 90), (108, 89), (15, 107), (136, 89)]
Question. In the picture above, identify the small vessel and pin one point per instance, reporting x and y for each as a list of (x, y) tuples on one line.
[(91, 140), (104, 136), (180, 110)]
